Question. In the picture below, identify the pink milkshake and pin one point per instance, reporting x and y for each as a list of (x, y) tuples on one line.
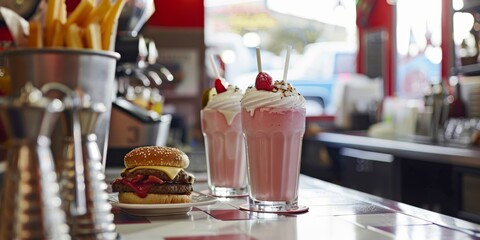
[(274, 139), (224, 143), (273, 118)]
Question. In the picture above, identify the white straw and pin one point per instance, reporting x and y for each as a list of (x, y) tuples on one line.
[(214, 66), (259, 60), (287, 60)]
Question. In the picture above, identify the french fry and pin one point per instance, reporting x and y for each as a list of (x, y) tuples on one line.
[(58, 34), (63, 13), (99, 12), (73, 38), (79, 15), (53, 12), (93, 36), (35, 38), (109, 25), (92, 24)]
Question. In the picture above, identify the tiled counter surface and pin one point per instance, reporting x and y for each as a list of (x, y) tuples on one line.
[(334, 213)]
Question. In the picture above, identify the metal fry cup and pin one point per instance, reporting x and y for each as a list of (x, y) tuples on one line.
[(91, 72)]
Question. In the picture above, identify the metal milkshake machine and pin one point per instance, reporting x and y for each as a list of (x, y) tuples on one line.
[(137, 118)]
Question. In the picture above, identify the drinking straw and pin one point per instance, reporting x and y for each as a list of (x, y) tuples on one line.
[(259, 60), (215, 68), (287, 60)]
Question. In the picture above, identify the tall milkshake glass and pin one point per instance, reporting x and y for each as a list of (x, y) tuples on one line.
[(224, 143), (273, 120)]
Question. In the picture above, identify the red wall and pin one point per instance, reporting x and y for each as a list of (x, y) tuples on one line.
[(171, 13), (5, 34), (168, 13), (380, 17), (178, 14), (447, 44)]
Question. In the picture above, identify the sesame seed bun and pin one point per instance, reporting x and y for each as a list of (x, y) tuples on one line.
[(152, 198), (156, 156)]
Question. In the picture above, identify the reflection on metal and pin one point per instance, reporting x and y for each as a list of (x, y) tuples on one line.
[(91, 71), (30, 205), (96, 221), (134, 15), (367, 155)]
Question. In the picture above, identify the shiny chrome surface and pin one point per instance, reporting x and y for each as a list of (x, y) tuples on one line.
[(133, 126), (440, 152), (30, 207), (134, 15), (96, 221), (93, 72)]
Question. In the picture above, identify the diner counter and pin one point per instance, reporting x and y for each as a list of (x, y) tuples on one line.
[(412, 148), (334, 212)]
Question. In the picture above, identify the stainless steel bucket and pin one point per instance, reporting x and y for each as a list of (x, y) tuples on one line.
[(93, 72)]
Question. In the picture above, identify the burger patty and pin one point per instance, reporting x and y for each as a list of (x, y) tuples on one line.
[(182, 176), (166, 188)]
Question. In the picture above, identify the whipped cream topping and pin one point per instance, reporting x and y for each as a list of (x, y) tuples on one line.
[(228, 103), (283, 95)]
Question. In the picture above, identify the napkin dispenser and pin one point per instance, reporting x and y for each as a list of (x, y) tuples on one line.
[(132, 126)]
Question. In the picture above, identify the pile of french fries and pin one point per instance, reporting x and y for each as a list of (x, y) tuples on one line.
[(90, 25)]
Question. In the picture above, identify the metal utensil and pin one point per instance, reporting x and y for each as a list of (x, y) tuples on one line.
[(31, 204)]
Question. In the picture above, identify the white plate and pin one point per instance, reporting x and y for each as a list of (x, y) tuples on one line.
[(198, 199)]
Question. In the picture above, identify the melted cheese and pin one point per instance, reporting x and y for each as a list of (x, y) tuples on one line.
[(170, 171)]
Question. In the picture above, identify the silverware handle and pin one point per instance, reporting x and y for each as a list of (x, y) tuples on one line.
[(81, 199), (80, 207)]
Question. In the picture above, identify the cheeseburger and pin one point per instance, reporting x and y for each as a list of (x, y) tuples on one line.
[(154, 175)]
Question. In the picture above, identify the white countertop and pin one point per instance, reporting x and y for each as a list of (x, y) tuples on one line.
[(334, 213)]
